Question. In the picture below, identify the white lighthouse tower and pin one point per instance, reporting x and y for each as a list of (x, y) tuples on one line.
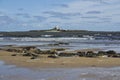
[(56, 28)]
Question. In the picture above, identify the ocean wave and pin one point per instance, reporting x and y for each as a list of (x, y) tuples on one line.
[(42, 39)]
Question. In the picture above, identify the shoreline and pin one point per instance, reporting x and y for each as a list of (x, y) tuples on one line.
[(62, 62)]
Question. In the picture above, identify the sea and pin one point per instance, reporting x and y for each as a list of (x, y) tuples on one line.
[(73, 43)]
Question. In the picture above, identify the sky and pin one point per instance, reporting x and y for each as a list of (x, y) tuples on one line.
[(93, 15)]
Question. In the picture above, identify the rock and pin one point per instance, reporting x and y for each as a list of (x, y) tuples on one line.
[(27, 54), (37, 51), (53, 44), (101, 53), (81, 54), (58, 44), (116, 56), (59, 49), (14, 55), (28, 47), (10, 50), (67, 54), (90, 54), (111, 53), (52, 56), (63, 43), (33, 57), (87, 54)]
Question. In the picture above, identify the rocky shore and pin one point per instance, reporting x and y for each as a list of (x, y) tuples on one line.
[(30, 56)]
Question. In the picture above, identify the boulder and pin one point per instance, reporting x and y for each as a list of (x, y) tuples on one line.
[(14, 55), (111, 53)]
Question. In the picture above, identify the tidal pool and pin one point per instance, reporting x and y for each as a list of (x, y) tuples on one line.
[(11, 72)]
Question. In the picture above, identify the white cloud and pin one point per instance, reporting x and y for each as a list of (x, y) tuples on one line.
[(79, 13), (103, 11)]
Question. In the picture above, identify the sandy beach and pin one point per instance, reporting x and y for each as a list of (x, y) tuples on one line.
[(62, 62)]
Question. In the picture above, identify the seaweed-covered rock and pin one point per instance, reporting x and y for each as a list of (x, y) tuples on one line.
[(14, 55), (58, 49), (87, 54), (27, 54), (101, 53), (63, 43), (10, 50), (28, 47), (116, 55), (37, 51), (58, 44), (67, 54), (52, 56), (33, 57), (111, 53), (90, 54), (81, 54)]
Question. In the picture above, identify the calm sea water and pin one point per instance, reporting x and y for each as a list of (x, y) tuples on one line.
[(74, 43)]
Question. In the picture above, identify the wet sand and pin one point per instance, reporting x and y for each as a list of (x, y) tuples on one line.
[(62, 62), (8, 72)]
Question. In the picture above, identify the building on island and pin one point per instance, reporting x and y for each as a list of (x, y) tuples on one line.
[(55, 29)]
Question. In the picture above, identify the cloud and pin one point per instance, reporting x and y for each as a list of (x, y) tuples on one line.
[(105, 18), (61, 5), (111, 1), (93, 12), (21, 9), (5, 20), (61, 15), (118, 23), (40, 18), (55, 22), (25, 15), (79, 13), (98, 1), (116, 14), (90, 17), (2, 14)]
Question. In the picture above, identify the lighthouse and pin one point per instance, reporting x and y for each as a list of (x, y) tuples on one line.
[(56, 28)]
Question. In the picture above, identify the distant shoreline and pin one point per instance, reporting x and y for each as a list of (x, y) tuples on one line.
[(109, 35)]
